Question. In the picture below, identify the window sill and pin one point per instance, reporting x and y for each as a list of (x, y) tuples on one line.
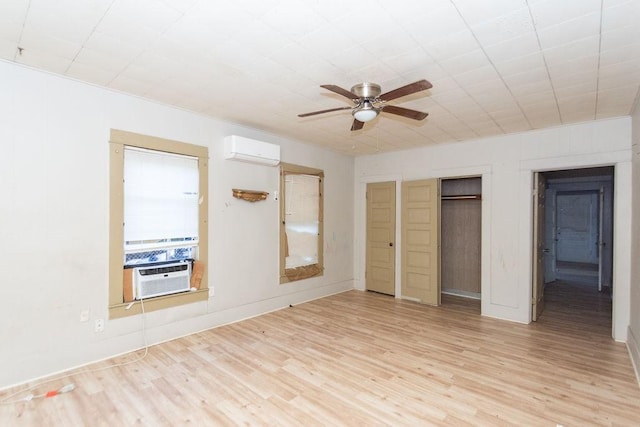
[(152, 304)]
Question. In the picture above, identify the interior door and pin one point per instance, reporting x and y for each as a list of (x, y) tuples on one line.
[(421, 241), (538, 246), (381, 230), (550, 236), (600, 236), (577, 231)]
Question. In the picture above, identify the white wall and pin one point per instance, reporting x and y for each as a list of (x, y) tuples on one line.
[(634, 325), (507, 164), (54, 222)]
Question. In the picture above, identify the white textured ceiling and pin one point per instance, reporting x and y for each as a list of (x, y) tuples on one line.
[(497, 66)]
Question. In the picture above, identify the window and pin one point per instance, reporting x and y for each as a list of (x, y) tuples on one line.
[(160, 206), (300, 223), (158, 213)]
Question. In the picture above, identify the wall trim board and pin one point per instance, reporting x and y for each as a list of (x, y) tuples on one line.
[(622, 246), (247, 311), (460, 172), (485, 243), (576, 161), (633, 346), (446, 172)]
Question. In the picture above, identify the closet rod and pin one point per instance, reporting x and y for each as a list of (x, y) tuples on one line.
[(463, 197)]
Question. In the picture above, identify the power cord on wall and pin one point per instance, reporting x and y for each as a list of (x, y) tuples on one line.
[(71, 386)]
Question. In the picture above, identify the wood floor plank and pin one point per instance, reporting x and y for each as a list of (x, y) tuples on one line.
[(362, 358)]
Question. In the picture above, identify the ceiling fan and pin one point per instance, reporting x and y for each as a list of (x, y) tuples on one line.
[(368, 102)]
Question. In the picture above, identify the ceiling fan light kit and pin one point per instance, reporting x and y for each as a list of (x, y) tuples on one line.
[(365, 113), (368, 102)]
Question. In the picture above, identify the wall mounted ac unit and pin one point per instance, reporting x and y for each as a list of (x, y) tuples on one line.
[(252, 151), (162, 279)]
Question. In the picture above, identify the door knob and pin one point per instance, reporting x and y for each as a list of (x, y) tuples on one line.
[(390, 244)]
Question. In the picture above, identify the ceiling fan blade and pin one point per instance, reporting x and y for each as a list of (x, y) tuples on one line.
[(357, 124), (324, 111), (340, 91), (406, 90), (405, 112)]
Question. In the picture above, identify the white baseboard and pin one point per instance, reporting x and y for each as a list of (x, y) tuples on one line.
[(633, 345), (247, 311)]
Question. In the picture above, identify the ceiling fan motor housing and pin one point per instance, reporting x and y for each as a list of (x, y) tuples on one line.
[(366, 90)]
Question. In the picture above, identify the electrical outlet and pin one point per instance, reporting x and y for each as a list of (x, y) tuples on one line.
[(84, 315), (99, 325)]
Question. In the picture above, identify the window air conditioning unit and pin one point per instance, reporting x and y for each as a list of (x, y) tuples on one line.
[(164, 279), (252, 151)]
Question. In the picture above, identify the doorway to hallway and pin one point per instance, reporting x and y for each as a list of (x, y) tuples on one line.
[(575, 245)]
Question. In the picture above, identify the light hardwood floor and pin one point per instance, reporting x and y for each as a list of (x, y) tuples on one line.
[(366, 359)]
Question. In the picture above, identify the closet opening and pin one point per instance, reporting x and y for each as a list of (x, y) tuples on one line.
[(461, 238)]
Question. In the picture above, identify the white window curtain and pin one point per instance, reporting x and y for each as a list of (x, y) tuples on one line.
[(302, 207), (160, 199)]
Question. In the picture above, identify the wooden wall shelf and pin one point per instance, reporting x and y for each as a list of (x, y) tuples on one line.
[(249, 195)]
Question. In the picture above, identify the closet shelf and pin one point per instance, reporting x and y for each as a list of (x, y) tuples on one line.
[(463, 197)]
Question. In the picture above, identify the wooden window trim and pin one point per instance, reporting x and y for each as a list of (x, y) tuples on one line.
[(117, 142)]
